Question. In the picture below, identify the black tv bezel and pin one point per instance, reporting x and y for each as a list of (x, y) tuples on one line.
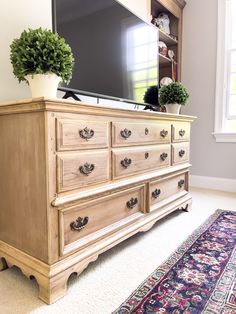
[(87, 93)]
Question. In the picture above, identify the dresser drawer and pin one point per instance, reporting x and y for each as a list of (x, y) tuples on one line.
[(75, 134), (79, 170), (180, 153), (86, 223), (129, 162), (161, 190), (180, 131), (126, 133)]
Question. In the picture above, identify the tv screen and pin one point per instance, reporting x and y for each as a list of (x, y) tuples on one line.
[(115, 51)]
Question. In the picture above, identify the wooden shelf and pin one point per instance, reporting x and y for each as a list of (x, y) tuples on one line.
[(174, 10), (168, 40), (164, 60)]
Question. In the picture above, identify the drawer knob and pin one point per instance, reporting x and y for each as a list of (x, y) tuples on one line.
[(163, 156), (146, 131), (146, 155), (180, 183), (181, 153), (125, 133), (125, 163), (132, 202), (164, 133), (156, 193), (79, 224), (181, 132), (87, 168), (86, 133)]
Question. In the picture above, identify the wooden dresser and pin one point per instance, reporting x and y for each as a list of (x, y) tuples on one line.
[(77, 179)]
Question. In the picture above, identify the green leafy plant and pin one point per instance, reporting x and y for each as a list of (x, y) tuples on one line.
[(40, 51), (173, 93)]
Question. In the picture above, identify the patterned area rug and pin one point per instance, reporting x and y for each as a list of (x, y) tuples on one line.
[(200, 277)]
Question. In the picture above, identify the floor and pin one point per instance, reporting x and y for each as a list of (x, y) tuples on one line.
[(106, 283)]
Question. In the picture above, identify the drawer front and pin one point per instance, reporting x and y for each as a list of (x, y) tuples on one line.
[(129, 162), (180, 153), (81, 134), (180, 131), (88, 222), (162, 189), (79, 170), (126, 133)]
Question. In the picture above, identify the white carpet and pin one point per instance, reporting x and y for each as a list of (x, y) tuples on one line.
[(106, 283)]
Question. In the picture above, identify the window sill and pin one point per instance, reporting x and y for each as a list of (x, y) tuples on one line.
[(224, 137)]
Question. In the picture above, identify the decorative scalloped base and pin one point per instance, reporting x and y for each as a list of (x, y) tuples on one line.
[(52, 279), (52, 283), (3, 264)]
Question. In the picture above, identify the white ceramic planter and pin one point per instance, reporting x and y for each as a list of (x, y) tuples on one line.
[(43, 85), (173, 108)]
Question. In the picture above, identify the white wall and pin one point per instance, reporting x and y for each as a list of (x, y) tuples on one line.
[(15, 16), (198, 74)]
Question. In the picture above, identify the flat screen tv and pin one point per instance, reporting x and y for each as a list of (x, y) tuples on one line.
[(116, 54)]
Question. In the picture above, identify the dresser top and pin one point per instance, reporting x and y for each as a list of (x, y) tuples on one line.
[(72, 106)]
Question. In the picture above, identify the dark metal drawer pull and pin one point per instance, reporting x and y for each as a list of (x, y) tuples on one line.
[(125, 163), (146, 131), (181, 153), (125, 133), (132, 202), (164, 133), (181, 132), (86, 133), (146, 155), (163, 156), (79, 224), (180, 183), (87, 168), (156, 193)]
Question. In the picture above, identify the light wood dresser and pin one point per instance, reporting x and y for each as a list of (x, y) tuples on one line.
[(77, 179)]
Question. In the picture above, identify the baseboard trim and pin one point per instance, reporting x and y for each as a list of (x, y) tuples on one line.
[(213, 183)]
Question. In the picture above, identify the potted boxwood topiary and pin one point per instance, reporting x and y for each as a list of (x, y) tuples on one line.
[(42, 58), (172, 96)]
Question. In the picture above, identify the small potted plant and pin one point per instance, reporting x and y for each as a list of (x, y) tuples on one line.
[(43, 59), (172, 96)]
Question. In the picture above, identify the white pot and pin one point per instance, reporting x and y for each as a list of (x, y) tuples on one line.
[(43, 85), (173, 108)]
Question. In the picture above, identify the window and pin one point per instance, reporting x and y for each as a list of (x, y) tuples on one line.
[(225, 114), (141, 60)]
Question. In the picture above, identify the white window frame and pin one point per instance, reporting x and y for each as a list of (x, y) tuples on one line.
[(222, 68)]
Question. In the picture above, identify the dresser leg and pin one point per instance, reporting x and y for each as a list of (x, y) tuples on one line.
[(50, 290)]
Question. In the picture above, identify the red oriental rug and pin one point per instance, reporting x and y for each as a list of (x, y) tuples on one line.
[(200, 277)]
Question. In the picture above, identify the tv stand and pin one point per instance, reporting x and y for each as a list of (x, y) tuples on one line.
[(71, 94)]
